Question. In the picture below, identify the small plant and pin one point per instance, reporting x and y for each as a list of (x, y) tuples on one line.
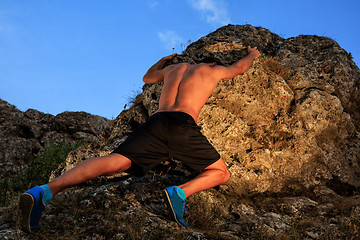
[(184, 46), (204, 213), (38, 172)]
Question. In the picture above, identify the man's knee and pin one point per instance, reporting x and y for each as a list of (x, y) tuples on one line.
[(226, 174), (223, 174), (117, 163)]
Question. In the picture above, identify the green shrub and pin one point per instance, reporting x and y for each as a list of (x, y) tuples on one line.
[(38, 171)]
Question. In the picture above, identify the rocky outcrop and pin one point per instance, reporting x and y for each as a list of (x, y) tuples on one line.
[(288, 130), (24, 134), (290, 123)]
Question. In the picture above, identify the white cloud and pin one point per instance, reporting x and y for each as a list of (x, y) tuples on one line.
[(214, 10), (153, 4), (170, 38)]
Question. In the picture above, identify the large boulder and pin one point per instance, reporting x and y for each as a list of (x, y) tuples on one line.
[(290, 123), (19, 138)]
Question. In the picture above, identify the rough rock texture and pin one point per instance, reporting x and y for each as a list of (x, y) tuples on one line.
[(290, 122), (288, 130), (24, 134)]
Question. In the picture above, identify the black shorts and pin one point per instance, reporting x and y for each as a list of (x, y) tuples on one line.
[(167, 136)]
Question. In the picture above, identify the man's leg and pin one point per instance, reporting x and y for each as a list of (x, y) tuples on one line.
[(89, 169), (32, 202), (213, 175)]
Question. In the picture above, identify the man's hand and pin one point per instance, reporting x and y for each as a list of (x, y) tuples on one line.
[(253, 52), (167, 58)]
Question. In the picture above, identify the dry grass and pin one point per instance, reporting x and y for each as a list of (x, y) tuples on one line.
[(205, 214), (77, 214)]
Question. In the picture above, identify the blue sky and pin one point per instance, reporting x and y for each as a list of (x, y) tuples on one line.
[(90, 55)]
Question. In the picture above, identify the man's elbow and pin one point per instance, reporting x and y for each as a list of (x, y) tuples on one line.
[(153, 77), (235, 72), (148, 79), (241, 71), (145, 79)]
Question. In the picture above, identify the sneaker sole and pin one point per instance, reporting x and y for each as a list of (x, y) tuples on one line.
[(25, 205), (169, 205)]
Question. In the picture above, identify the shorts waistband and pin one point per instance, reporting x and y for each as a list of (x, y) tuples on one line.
[(178, 114)]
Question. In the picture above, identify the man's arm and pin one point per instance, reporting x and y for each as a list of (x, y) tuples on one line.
[(238, 67), (155, 73)]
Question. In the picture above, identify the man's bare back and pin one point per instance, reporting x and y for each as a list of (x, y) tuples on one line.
[(188, 86)]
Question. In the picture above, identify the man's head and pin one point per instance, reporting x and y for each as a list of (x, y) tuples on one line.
[(211, 60), (176, 59)]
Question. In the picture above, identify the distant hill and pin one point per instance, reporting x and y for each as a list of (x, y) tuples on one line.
[(23, 135)]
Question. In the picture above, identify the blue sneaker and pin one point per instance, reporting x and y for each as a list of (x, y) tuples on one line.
[(31, 207), (176, 204)]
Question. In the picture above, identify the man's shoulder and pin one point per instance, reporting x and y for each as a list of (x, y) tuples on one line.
[(204, 68), (176, 67)]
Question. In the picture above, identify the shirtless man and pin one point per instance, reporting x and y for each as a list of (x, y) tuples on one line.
[(171, 132)]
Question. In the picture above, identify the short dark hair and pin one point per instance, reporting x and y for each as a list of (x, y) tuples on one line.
[(210, 59)]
